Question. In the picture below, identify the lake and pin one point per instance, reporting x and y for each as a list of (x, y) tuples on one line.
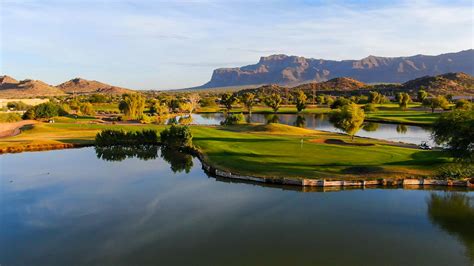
[(111, 206), (391, 132)]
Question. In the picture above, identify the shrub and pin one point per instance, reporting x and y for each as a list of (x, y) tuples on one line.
[(44, 110), (456, 171), (340, 102), (9, 117), (18, 106), (234, 119), (111, 137), (177, 137)]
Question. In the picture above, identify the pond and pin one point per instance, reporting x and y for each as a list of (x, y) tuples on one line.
[(391, 132), (115, 206)]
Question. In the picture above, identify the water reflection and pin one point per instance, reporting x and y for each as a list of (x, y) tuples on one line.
[(138, 212), (300, 121), (177, 160), (371, 126), (120, 153), (402, 129), (272, 118), (454, 213)]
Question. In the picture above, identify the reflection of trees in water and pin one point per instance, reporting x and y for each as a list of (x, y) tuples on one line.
[(454, 213), (179, 161), (370, 127), (120, 153), (300, 121), (273, 118), (402, 129)]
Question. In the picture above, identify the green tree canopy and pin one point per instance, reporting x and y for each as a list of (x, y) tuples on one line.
[(228, 100), (456, 130), (248, 99), (132, 105), (300, 100), (274, 101), (349, 118), (421, 95), (404, 100)]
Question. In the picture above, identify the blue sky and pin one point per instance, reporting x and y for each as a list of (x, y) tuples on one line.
[(176, 44)]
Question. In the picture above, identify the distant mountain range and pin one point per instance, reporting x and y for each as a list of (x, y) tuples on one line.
[(12, 88), (449, 83), (294, 70)]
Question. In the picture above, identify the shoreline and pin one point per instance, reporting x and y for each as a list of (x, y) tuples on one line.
[(299, 182)]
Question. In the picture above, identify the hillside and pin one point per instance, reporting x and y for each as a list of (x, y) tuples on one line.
[(11, 88), (335, 84), (450, 83), (454, 83), (294, 70), (83, 86)]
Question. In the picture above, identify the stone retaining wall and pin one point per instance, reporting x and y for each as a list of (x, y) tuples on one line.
[(335, 183)]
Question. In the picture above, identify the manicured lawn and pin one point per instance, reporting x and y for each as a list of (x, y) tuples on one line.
[(267, 150), (277, 151), (408, 117)]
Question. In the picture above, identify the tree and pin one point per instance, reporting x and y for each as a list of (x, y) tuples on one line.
[(375, 97), (370, 107), (186, 108), (158, 108), (404, 100), (463, 105), (132, 105), (456, 130), (434, 103), (300, 99), (194, 101), (248, 99), (273, 101), (228, 100), (340, 102), (349, 119), (87, 109), (48, 110), (421, 95)]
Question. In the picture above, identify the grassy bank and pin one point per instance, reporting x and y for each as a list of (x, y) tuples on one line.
[(262, 150), (403, 117)]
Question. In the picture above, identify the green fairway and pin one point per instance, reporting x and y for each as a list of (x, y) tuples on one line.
[(277, 151), (404, 117)]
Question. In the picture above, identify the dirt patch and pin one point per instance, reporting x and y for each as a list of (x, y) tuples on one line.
[(12, 129)]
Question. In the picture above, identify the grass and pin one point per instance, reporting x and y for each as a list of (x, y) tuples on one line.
[(404, 117), (272, 150), (276, 151)]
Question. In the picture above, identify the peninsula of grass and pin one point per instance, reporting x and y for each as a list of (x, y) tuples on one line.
[(273, 150), (409, 117)]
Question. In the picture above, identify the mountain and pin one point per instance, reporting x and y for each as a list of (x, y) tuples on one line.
[(83, 86), (453, 83), (295, 70), (11, 88), (449, 83)]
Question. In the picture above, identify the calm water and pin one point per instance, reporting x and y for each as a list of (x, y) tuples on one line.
[(70, 208), (392, 132)]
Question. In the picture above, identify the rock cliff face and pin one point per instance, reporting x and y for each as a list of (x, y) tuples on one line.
[(295, 70)]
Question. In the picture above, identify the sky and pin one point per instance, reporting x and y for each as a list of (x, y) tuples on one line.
[(142, 44)]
